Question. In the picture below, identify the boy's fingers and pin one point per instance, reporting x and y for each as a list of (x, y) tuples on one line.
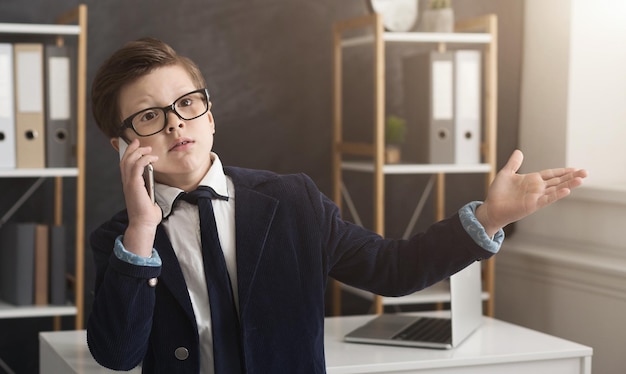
[(514, 162)]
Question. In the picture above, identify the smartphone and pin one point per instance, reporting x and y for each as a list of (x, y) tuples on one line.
[(148, 179), (148, 171)]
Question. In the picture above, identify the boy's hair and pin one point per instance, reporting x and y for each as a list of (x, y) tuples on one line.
[(131, 62)]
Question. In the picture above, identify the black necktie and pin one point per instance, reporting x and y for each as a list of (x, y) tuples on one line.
[(226, 332)]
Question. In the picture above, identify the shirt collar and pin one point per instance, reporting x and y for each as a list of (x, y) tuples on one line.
[(214, 178)]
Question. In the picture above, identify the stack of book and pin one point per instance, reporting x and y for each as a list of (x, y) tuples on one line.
[(32, 264)]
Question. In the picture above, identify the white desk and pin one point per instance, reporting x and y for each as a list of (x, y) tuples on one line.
[(497, 347)]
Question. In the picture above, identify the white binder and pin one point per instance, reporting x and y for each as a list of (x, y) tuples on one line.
[(7, 110), (467, 106)]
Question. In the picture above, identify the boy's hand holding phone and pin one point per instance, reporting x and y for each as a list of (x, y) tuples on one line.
[(148, 171), (135, 162), (137, 177)]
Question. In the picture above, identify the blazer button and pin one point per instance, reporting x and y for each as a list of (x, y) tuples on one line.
[(181, 353), (152, 282)]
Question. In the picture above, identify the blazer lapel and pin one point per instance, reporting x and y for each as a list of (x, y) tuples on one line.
[(254, 213)]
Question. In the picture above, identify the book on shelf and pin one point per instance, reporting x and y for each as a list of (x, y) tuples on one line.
[(33, 264), (41, 265), (17, 259), (57, 269)]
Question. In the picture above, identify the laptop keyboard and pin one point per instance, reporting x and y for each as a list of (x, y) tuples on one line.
[(427, 330)]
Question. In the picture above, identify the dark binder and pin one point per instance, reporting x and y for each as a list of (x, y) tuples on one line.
[(57, 268), (429, 102), (59, 110), (17, 263)]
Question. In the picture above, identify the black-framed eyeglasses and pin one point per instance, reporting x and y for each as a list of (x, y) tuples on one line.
[(151, 121)]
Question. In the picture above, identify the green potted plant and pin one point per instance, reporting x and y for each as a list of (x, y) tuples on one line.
[(395, 134), (438, 17)]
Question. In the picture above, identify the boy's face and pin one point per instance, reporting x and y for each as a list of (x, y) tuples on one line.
[(184, 146)]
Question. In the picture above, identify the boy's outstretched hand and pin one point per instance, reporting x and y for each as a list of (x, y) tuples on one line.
[(513, 196)]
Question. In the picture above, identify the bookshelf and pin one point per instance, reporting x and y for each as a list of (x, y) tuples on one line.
[(72, 24), (480, 32)]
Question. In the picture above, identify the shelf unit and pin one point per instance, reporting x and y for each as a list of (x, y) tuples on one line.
[(480, 32), (72, 24)]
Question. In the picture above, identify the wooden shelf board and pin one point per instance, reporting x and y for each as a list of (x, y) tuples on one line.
[(421, 37), (12, 311), (417, 168), (437, 37), (33, 173), (38, 29)]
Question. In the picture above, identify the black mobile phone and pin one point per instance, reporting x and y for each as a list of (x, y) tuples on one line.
[(148, 171)]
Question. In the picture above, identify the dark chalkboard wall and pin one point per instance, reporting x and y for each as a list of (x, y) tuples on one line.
[(268, 68)]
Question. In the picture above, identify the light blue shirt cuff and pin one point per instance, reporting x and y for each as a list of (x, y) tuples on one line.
[(121, 253), (470, 223)]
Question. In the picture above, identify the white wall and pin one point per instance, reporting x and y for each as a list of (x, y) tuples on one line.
[(563, 271), (573, 106), (544, 96), (597, 110)]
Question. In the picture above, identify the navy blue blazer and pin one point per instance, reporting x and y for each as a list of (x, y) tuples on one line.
[(290, 239)]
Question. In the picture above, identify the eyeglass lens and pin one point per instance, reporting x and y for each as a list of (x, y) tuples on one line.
[(187, 107)]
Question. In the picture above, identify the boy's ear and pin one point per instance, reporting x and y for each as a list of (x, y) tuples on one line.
[(115, 142)]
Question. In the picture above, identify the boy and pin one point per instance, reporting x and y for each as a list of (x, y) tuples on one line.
[(156, 301)]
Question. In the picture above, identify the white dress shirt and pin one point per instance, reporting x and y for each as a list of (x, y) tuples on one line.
[(182, 225)]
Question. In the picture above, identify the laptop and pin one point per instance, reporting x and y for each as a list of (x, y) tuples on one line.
[(466, 316)]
